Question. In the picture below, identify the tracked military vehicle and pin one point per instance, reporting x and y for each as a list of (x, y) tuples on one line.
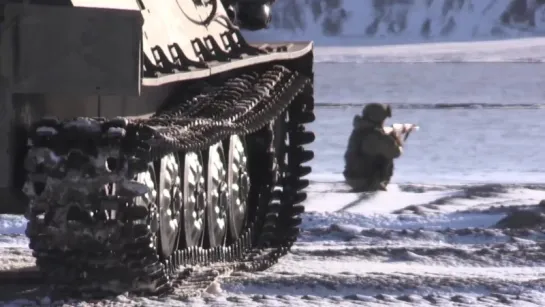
[(154, 145)]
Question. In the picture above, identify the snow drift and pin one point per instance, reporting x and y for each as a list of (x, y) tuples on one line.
[(369, 21)]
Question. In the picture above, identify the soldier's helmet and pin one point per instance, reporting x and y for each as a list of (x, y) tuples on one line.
[(376, 112)]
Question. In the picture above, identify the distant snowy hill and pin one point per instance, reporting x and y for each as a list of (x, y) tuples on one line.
[(369, 21)]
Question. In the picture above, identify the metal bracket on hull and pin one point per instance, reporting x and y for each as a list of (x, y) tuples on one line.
[(182, 61), (163, 64), (264, 53), (207, 49), (209, 52)]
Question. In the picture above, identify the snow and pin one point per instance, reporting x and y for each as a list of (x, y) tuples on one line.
[(12, 227), (371, 252), (325, 197), (525, 50), (214, 288), (357, 22), (355, 266)]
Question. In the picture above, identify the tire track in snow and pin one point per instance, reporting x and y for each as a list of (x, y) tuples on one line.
[(385, 289), (496, 255), (459, 256)]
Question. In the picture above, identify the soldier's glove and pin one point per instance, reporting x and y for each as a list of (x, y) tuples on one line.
[(397, 138)]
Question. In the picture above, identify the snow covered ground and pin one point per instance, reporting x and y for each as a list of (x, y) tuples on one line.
[(415, 245), (412, 245), (524, 50)]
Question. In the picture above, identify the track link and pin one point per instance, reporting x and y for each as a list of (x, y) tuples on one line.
[(94, 214)]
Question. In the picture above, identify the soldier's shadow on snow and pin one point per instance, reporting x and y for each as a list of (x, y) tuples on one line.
[(364, 196)]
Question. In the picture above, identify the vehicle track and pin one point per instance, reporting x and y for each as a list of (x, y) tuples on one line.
[(121, 255)]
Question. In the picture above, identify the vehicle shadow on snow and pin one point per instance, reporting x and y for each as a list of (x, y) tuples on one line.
[(21, 286)]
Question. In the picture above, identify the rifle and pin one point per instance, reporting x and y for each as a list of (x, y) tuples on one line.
[(401, 129)]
